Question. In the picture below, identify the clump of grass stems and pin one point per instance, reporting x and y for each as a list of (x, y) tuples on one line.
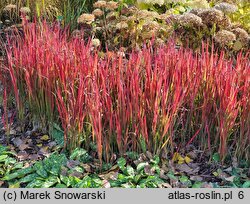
[(156, 99)]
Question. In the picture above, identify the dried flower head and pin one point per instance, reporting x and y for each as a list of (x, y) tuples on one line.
[(173, 19), (98, 12), (100, 4), (148, 34), (159, 42), (211, 16), (225, 22), (123, 18), (189, 19), (131, 10), (151, 25), (112, 5), (25, 10), (10, 7), (111, 16), (96, 42), (121, 25), (86, 18), (224, 38), (241, 35), (196, 11), (226, 7), (142, 14)]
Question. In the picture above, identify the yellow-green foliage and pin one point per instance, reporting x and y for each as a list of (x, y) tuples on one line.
[(242, 16)]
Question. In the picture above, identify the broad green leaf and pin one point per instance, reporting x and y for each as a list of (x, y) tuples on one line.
[(10, 160), (15, 185), (141, 166), (35, 184), (216, 157), (65, 180), (60, 185), (115, 183), (155, 160), (49, 182), (18, 174), (3, 158), (137, 178), (77, 153), (40, 170), (57, 134), (126, 185), (197, 184), (132, 155), (17, 166), (172, 176), (28, 178), (246, 184), (130, 171), (185, 180), (121, 162)]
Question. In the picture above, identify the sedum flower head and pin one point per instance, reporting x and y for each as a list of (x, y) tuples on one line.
[(224, 37), (96, 42), (97, 12), (211, 16), (226, 7), (241, 35), (151, 25), (142, 14), (100, 4), (121, 25), (25, 10), (86, 18), (112, 5), (189, 19), (10, 7)]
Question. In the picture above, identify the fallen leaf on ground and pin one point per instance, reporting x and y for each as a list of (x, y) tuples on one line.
[(162, 175), (45, 137), (76, 174), (34, 157), (87, 167), (17, 141), (231, 178), (187, 159), (106, 184), (148, 170), (184, 168), (23, 147), (196, 178), (22, 155), (164, 185), (71, 164)]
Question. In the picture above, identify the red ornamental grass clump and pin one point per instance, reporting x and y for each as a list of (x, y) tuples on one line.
[(156, 99)]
